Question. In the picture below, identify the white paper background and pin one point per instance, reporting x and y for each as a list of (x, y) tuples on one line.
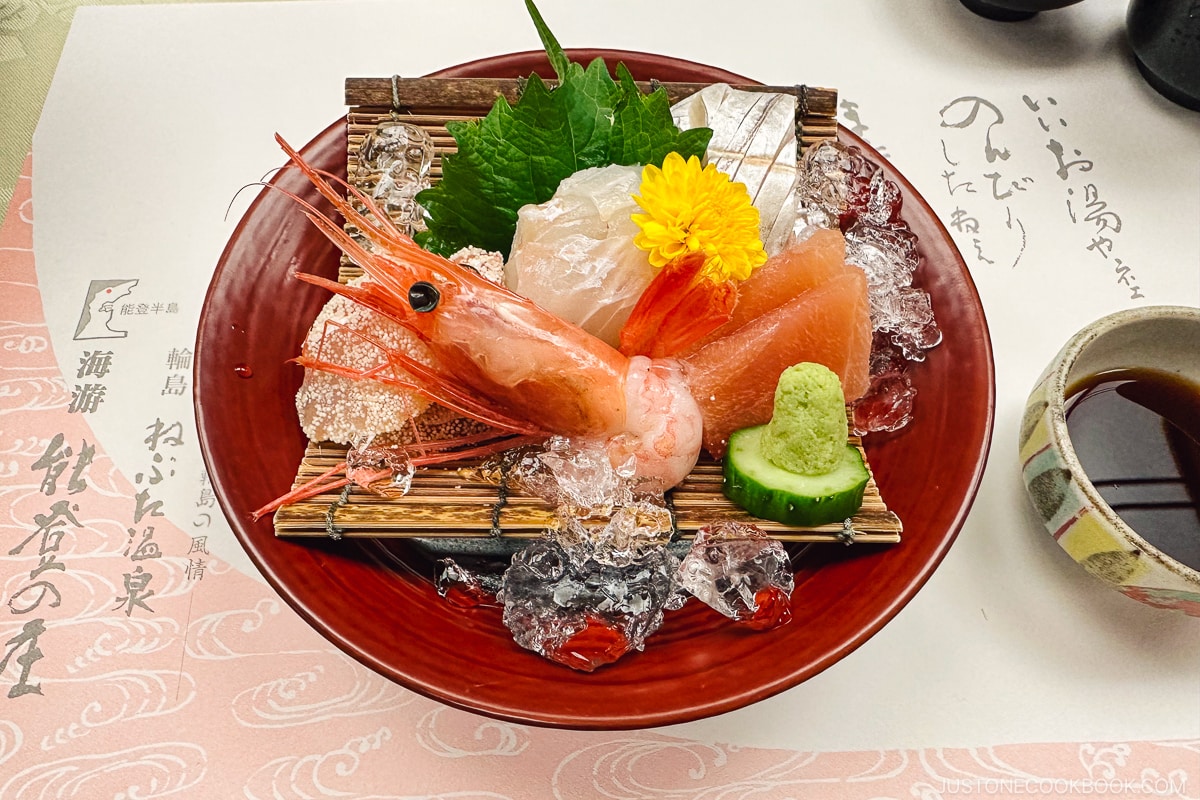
[(157, 116)]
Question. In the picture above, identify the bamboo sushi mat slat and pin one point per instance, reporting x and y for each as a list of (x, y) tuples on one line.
[(451, 501)]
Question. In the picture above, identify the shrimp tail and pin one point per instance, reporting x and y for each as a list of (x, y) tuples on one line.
[(678, 308)]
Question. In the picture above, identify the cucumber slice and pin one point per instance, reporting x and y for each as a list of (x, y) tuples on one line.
[(770, 492)]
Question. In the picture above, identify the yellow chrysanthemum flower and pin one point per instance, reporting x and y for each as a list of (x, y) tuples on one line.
[(689, 209)]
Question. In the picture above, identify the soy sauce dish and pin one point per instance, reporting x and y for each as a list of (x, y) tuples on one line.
[(1110, 453)]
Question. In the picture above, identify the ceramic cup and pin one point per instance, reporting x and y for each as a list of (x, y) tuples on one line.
[(1157, 337), (1164, 36)]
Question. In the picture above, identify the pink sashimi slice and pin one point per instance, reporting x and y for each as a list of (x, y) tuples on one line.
[(733, 378), (797, 269)]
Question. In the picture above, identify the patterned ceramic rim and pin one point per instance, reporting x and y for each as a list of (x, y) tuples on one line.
[(1135, 567)]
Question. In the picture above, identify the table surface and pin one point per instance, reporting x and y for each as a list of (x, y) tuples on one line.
[(167, 666)]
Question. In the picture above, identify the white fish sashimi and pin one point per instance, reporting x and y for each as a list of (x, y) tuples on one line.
[(574, 255), (753, 142)]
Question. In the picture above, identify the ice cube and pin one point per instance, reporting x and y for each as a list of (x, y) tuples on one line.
[(622, 537), (884, 201), (885, 357), (887, 254), (841, 187), (584, 476), (463, 587), (585, 614), (394, 161), (886, 406), (386, 471), (740, 571), (907, 316), (821, 190)]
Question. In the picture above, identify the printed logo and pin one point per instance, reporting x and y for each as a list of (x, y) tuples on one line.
[(95, 321)]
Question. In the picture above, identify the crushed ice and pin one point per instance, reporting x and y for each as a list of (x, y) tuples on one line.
[(585, 614), (840, 187), (394, 161)]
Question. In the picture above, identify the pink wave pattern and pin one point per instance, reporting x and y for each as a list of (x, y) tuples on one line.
[(224, 692)]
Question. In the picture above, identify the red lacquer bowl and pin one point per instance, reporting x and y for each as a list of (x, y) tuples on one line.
[(375, 600)]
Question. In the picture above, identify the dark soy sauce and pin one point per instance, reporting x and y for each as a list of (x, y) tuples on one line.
[(1137, 435)]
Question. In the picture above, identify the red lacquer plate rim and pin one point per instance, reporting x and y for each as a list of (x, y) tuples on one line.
[(375, 600)]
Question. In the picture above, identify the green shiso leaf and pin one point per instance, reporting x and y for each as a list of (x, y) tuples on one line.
[(554, 51), (643, 131), (518, 154)]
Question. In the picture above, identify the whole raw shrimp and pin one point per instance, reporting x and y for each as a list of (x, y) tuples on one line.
[(502, 359)]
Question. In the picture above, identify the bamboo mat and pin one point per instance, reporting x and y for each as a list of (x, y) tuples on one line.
[(452, 501)]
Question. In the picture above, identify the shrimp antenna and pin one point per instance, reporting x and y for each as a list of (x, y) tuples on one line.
[(336, 234), (260, 182), (233, 199), (399, 245)]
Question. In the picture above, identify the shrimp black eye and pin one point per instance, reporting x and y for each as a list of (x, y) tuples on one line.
[(423, 296)]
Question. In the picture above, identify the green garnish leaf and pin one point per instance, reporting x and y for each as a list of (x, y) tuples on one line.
[(518, 154), (554, 51), (638, 134)]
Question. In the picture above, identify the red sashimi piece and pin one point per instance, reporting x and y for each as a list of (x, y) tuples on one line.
[(794, 271), (733, 378), (786, 275), (677, 310)]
